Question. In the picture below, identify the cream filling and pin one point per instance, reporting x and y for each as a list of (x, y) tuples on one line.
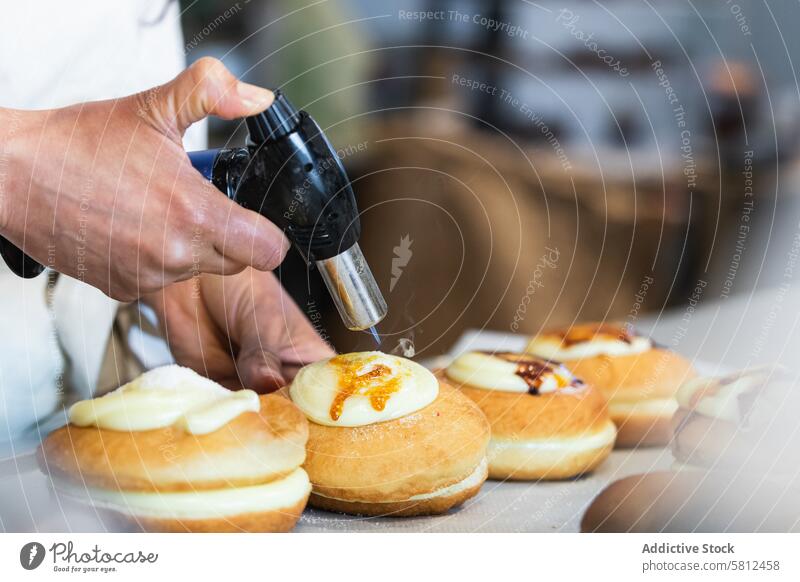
[(490, 372), (556, 445), (317, 385), (474, 479), (166, 396), (724, 404), (653, 407), (216, 503), (550, 347)]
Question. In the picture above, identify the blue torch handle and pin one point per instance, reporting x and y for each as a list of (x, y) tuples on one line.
[(203, 161)]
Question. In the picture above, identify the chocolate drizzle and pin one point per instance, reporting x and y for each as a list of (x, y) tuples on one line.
[(532, 369)]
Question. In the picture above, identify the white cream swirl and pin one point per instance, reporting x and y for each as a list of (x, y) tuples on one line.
[(508, 372), (362, 388), (162, 397), (588, 341)]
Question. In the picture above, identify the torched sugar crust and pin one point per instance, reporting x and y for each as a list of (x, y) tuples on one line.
[(362, 388)]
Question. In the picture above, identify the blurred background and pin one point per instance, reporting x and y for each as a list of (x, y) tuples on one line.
[(521, 164)]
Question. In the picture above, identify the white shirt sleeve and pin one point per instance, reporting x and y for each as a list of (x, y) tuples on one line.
[(57, 53)]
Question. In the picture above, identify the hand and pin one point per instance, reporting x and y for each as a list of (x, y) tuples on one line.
[(105, 193), (242, 330)]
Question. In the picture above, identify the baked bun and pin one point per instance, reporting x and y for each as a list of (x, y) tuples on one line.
[(744, 418), (215, 465), (638, 379), (426, 455), (546, 423), (693, 501)]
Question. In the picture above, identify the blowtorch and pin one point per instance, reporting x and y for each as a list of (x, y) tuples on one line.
[(290, 173)]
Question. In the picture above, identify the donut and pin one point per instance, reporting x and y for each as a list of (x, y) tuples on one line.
[(638, 379), (173, 451), (744, 418), (386, 438), (546, 423), (694, 501)]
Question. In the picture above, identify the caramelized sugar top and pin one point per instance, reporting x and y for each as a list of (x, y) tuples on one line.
[(358, 376)]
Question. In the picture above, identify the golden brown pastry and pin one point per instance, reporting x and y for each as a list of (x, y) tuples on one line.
[(546, 423), (174, 451), (385, 438), (638, 379)]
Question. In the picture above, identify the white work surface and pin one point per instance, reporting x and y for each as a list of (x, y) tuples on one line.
[(720, 332)]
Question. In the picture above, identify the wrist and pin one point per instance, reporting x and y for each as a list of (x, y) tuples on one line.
[(18, 129)]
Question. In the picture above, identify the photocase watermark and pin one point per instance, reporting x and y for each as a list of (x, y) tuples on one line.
[(196, 242), (476, 18), (169, 448), (508, 98), (149, 97), (540, 124), (146, 100), (212, 26), (31, 555), (569, 20), (790, 264), (739, 17), (548, 261), (691, 307), (84, 206), (315, 317), (313, 171), (632, 317), (402, 255), (65, 558), (682, 329), (679, 115), (474, 84), (11, 121), (743, 229), (639, 298)]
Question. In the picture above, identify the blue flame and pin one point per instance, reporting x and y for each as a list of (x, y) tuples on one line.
[(375, 335)]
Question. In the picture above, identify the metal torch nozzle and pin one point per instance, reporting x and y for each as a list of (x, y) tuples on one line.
[(353, 288)]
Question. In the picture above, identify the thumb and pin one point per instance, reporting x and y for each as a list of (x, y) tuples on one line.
[(206, 88), (259, 370)]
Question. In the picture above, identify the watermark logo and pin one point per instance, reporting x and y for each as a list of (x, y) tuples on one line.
[(569, 20), (549, 260), (31, 555), (402, 255)]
